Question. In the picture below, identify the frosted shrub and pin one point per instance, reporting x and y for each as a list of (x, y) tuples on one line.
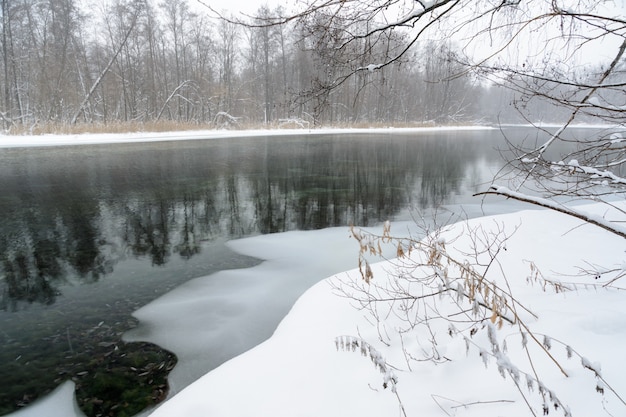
[(438, 287)]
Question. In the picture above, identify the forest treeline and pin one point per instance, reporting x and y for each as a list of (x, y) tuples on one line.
[(67, 62)]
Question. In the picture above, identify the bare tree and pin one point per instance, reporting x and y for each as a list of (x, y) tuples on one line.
[(105, 70), (228, 35), (10, 90), (448, 93), (260, 77), (178, 19), (563, 165), (121, 21)]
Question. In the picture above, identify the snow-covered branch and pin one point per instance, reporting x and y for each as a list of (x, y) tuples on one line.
[(593, 173), (542, 202)]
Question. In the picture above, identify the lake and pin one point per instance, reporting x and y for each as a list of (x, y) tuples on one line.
[(91, 233)]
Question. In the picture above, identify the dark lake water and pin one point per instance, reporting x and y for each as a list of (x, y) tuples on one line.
[(88, 234)]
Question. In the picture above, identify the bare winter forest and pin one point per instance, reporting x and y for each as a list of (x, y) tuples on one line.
[(144, 61)]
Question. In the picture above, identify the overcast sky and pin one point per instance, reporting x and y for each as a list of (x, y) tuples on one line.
[(241, 6), (598, 52)]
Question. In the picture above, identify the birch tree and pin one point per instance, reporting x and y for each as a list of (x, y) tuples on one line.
[(107, 67), (10, 90), (227, 37)]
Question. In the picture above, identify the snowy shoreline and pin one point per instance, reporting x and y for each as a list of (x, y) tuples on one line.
[(298, 371), (18, 141)]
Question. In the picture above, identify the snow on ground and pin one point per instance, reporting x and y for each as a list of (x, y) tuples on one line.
[(300, 372), (16, 141)]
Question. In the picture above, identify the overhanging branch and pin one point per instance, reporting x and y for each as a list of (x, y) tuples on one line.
[(542, 202)]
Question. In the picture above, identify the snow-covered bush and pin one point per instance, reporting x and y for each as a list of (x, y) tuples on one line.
[(455, 287)]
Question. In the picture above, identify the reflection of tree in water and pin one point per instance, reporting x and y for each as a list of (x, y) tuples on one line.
[(160, 200), (236, 226), (441, 173), (328, 183), (189, 244), (24, 284), (29, 266), (83, 241), (333, 183), (48, 235), (147, 230)]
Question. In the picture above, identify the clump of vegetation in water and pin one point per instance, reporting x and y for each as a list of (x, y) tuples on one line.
[(112, 378), (126, 381)]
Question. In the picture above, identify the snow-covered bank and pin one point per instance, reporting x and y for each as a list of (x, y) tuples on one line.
[(16, 141), (211, 319), (299, 371)]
